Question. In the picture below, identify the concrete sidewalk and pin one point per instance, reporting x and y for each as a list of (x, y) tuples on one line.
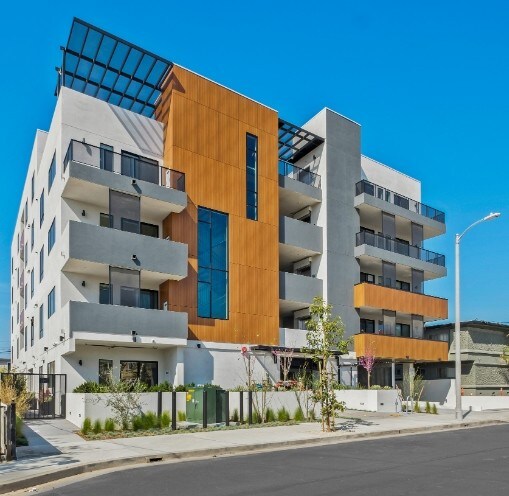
[(56, 452)]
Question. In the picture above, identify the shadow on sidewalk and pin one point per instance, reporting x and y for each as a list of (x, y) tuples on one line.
[(37, 445), (351, 423)]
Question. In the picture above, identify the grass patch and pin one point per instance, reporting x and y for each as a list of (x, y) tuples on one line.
[(21, 439), (167, 431)]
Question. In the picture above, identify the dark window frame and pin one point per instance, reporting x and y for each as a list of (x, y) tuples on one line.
[(252, 208), (52, 235), (52, 172), (51, 302)]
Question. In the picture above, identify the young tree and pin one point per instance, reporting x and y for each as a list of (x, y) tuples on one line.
[(285, 359), (325, 339), (367, 362)]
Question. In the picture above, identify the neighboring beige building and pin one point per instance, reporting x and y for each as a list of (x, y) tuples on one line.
[(482, 343)]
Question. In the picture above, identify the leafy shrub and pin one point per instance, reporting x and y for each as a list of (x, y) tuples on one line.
[(298, 416), (181, 416), (164, 387), (270, 416), (90, 387), (283, 415), (428, 407), (235, 416), (87, 426), (97, 427), (137, 423), (165, 420), (434, 409), (150, 421), (417, 407), (21, 439), (376, 387), (109, 425), (256, 418)]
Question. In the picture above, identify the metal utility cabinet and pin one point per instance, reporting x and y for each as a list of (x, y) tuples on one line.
[(215, 408)]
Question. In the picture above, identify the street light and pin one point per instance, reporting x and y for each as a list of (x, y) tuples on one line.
[(459, 413)]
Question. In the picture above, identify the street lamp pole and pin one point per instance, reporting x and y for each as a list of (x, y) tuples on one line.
[(457, 334)]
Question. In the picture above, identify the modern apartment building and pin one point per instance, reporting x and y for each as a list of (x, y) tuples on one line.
[(167, 222)]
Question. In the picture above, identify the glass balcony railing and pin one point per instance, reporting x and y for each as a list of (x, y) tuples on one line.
[(395, 246), (399, 200), (125, 164), (303, 175)]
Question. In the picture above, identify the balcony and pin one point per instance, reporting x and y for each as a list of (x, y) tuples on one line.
[(130, 325), (398, 348), (380, 297), (377, 246), (293, 338), (298, 240), (297, 291), (92, 249), (92, 171), (298, 188)]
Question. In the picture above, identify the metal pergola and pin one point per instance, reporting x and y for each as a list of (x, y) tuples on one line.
[(104, 66), (295, 142)]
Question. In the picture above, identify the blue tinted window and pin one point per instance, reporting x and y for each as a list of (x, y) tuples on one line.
[(51, 303), (251, 177), (41, 209), (212, 264), (51, 173), (41, 321), (51, 236), (41, 263)]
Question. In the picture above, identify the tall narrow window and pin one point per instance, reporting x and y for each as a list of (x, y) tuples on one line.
[(41, 263), (41, 321), (32, 236), (41, 209), (252, 176), (212, 264), (52, 172), (32, 192), (51, 303), (32, 331), (106, 157), (32, 283), (51, 236)]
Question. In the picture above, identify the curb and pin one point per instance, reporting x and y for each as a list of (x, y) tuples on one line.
[(80, 469)]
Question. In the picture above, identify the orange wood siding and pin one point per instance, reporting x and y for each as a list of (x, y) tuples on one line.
[(401, 348), (205, 137), (371, 295)]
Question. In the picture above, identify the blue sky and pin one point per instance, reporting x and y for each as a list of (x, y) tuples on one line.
[(428, 82)]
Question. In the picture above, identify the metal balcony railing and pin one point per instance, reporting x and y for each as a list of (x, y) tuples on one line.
[(395, 246), (399, 200), (125, 164), (303, 175)]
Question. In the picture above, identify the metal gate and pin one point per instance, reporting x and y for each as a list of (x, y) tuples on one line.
[(47, 393)]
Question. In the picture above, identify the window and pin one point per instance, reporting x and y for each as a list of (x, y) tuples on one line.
[(25, 338), (26, 212), (403, 330), (32, 283), (105, 220), (145, 372), (32, 188), (104, 294), (41, 209), (367, 326), (41, 263), (32, 236), (252, 176), (149, 230), (404, 286), (32, 331), (41, 321), (26, 253), (52, 172), (105, 371), (369, 278), (25, 294), (51, 303), (212, 264), (51, 236), (149, 299), (106, 157)]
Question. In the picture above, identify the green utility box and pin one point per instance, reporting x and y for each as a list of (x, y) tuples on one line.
[(216, 404)]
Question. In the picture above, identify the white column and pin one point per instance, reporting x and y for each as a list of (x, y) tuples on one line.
[(179, 367), (393, 374)]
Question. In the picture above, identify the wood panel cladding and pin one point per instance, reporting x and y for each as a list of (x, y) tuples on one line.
[(374, 296), (392, 347), (205, 137)]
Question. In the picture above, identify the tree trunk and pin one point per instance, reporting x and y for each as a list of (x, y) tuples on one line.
[(369, 380)]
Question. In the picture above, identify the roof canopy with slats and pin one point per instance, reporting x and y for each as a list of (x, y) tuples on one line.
[(295, 142), (104, 66)]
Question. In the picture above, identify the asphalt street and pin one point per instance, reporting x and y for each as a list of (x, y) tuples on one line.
[(463, 462)]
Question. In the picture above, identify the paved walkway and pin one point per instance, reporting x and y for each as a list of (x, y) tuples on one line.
[(56, 451)]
